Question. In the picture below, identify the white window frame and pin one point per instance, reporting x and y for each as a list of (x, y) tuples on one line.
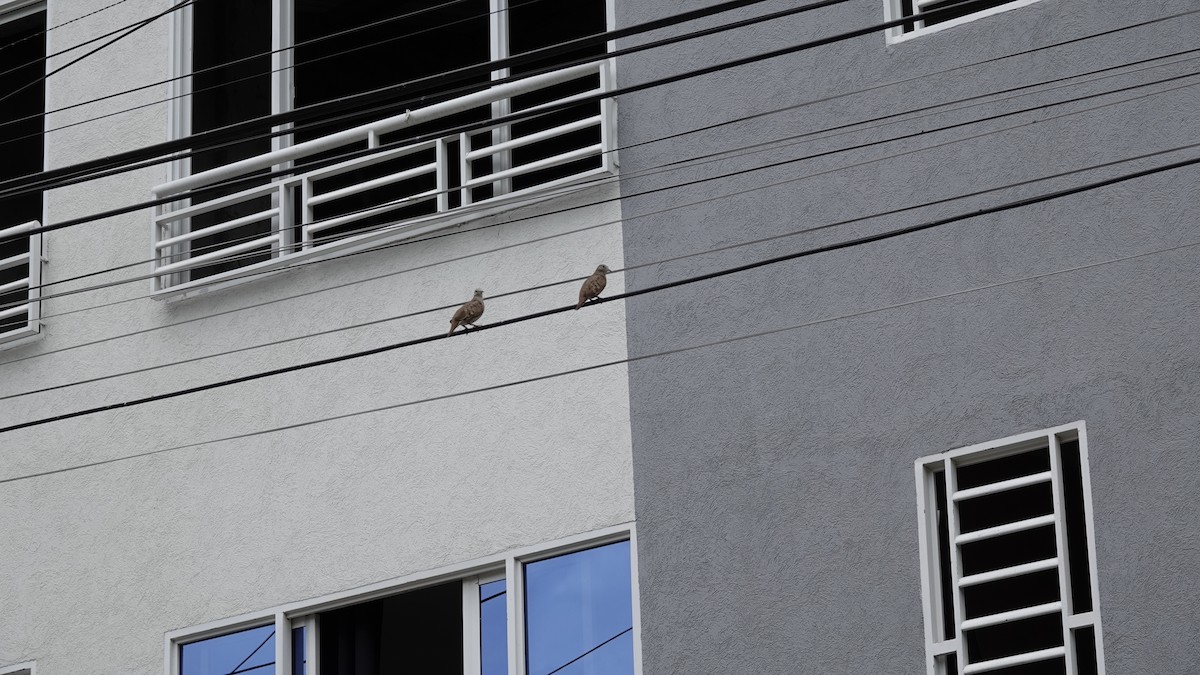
[(472, 573), (27, 668), (892, 11), (931, 594), (11, 10), (282, 86)]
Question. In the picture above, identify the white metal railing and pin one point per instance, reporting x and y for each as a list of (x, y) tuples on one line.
[(29, 264), (440, 176)]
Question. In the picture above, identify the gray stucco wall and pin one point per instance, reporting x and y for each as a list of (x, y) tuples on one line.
[(774, 477)]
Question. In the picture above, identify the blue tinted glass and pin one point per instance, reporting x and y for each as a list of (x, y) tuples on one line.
[(493, 627), (579, 613), (248, 651), (298, 651)]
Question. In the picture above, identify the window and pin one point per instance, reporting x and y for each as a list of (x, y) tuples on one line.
[(19, 669), (570, 610), (958, 11), (322, 202), (21, 144), (1008, 557)]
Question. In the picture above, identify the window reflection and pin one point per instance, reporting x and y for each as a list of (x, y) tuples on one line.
[(493, 627), (579, 613), (247, 651)]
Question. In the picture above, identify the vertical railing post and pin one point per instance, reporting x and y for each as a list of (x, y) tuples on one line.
[(500, 50), (608, 118), (464, 170), (307, 218), (443, 175)]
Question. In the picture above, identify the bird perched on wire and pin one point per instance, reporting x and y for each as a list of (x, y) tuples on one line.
[(469, 313), (593, 286)]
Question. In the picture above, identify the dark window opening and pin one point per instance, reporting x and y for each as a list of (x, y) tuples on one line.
[(961, 11), (415, 632), (1008, 550), (1076, 527), (1026, 590), (226, 30), (907, 9), (21, 157), (1014, 637), (944, 571), (1003, 468), (1048, 667), (1009, 506), (1085, 650)]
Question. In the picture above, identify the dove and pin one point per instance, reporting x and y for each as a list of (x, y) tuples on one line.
[(593, 286), (469, 313)]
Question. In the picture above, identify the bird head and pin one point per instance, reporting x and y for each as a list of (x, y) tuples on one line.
[(603, 269), (478, 293)]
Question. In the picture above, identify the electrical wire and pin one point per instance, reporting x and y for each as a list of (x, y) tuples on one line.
[(633, 359), (774, 112), (858, 241), (65, 23), (627, 630), (72, 62), (12, 186), (436, 82), (374, 322), (772, 145)]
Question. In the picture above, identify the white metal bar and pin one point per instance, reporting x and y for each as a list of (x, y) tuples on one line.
[(228, 225), (1085, 473), (18, 229), (499, 26), (372, 184), (1019, 659), (369, 160), (472, 659), (536, 166), (534, 138), (993, 488), (14, 285), (220, 202), (14, 311), (608, 115), (200, 260), (1080, 620), (283, 645), (1008, 572), (1007, 528), (384, 126), (955, 558), (15, 261), (390, 206), (443, 175), (37, 257), (927, 552), (515, 573), (1060, 542), (464, 168), (1013, 615)]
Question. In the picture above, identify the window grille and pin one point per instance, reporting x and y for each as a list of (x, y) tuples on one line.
[(1008, 558), (20, 277), (404, 191), (958, 11)]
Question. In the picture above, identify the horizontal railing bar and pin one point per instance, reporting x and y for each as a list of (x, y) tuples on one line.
[(1013, 615), (1011, 484), (1019, 659), (384, 126), (536, 166), (14, 311), (222, 202), (14, 285), (200, 260), (533, 138), (214, 229), (15, 261), (1007, 572), (372, 184), (382, 208), (18, 229), (359, 162), (1007, 528)]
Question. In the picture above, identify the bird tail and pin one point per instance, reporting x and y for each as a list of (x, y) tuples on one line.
[(453, 325)]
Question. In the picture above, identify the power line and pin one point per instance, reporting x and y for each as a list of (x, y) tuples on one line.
[(793, 107), (599, 366), (72, 62), (859, 241), (308, 111), (390, 93), (627, 630), (407, 315), (689, 163), (65, 23)]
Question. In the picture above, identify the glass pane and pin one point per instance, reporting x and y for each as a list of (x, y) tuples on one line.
[(298, 651), (579, 613), (247, 651), (493, 627)]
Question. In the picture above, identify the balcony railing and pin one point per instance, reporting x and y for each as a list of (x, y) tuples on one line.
[(20, 281), (393, 193)]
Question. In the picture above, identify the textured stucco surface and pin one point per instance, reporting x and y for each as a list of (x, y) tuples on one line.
[(774, 476), (99, 563)]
